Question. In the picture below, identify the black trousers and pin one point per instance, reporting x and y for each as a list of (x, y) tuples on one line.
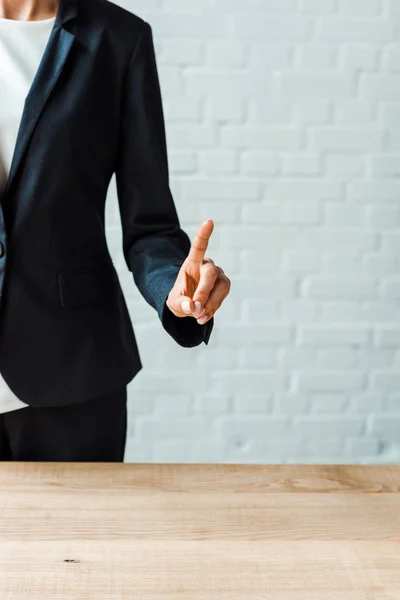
[(92, 431)]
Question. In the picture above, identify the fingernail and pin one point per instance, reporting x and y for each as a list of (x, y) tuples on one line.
[(203, 320), (197, 307), (185, 305)]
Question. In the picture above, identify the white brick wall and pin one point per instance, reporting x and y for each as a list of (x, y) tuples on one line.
[(283, 127)]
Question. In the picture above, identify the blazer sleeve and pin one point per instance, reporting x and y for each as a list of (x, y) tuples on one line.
[(154, 244)]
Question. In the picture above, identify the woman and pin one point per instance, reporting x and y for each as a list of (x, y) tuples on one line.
[(80, 101)]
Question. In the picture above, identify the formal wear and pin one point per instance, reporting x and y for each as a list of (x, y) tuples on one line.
[(94, 109), (91, 431), (22, 45)]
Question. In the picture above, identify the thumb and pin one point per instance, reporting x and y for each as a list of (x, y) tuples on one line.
[(183, 305)]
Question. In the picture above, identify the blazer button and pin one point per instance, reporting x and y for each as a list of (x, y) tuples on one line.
[(1, 249)]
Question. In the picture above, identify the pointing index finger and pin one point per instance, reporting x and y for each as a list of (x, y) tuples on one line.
[(200, 242)]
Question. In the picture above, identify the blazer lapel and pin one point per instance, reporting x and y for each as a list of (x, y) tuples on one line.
[(50, 69)]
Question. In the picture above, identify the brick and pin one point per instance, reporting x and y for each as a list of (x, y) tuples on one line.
[(336, 287), (349, 139), (223, 356), (256, 381), (361, 448), (171, 383), (270, 55), (345, 215), (329, 446), (386, 428), (258, 428), (374, 311), (141, 404), (205, 451), (254, 357), (311, 110), (355, 112), (190, 136), (179, 51), (344, 166), (171, 451), (292, 403), (390, 59), (337, 427), (380, 264), (221, 188), (386, 165), (249, 260), (317, 56), (303, 189), (219, 109), (387, 336), (266, 6), (269, 111), (336, 335), (218, 162), (172, 404), (392, 141), (174, 427), (358, 56), (385, 380), (353, 29), (390, 241), (317, 6), (185, 109), (328, 403), (270, 138), (383, 217), (247, 403), (341, 265), (391, 288), (268, 212), (373, 358), (259, 162), (302, 164), (296, 357), (211, 403), (367, 401), (287, 27), (223, 54), (187, 25), (278, 287), (182, 162), (329, 381), (305, 213), (316, 85), (390, 113), (380, 86), (360, 7), (340, 241), (301, 261), (251, 335)]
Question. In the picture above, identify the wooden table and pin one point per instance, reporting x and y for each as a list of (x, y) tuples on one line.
[(199, 532)]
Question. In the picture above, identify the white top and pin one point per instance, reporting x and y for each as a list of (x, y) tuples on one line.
[(22, 44)]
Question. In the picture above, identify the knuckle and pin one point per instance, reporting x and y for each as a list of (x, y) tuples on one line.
[(211, 266)]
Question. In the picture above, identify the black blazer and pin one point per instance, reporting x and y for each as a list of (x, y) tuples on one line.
[(94, 109)]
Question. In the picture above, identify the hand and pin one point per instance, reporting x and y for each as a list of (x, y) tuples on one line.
[(200, 286)]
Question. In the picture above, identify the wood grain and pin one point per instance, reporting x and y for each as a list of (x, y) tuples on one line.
[(201, 532)]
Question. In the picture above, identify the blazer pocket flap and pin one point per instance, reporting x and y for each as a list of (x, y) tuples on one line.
[(89, 285)]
